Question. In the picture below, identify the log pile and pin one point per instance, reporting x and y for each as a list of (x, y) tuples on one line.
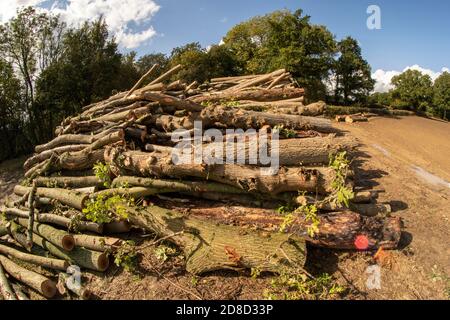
[(112, 168)]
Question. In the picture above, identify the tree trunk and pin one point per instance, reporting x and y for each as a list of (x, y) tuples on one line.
[(57, 237), (57, 220), (47, 154), (37, 260), (5, 288), (243, 177), (336, 230), (70, 198), (251, 94), (95, 243), (242, 119), (32, 279), (69, 182), (92, 260), (208, 246)]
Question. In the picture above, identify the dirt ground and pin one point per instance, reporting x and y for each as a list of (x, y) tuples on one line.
[(405, 159)]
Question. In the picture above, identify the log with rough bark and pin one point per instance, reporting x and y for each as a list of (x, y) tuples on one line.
[(290, 152), (57, 220), (95, 243), (92, 260), (243, 119), (208, 246), (167, 74), (30, 226), (174, 185), (32, 279), (45, 155), (5, 287), (51, 263), (68, 197), (69, 182), (57, 237), (141, 80), (335, 230), (352, 119), (257, 80), (240, 176), (14, 230), (251, 94), (166, 100)]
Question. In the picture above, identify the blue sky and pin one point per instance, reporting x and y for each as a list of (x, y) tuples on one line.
[(414, 34)]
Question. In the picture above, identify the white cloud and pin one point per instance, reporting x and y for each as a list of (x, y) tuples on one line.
[(8, 8), (383, 78), (127, 20)]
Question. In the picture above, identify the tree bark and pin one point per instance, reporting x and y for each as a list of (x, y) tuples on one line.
[(244, 177), (251, 94), (57, 220), (57, 237), (95, 243), (337, 230), (55, 264), (82, 257), (69, 182), (47, 154), (209, 247), (5, 288), (242, 119), (32, 279), (70, 198)]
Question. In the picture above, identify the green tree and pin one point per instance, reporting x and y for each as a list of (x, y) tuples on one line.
[(352, 73), (194, 60), (283, 39), (441, 95), (89, 70), (12, 113), (412, 90), (147, 61), (32, 41), (380, 99)]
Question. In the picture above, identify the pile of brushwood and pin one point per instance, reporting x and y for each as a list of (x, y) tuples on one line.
[(112, 169)]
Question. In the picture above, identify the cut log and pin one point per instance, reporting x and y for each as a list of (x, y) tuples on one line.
[(251, 94), (352, 119), (167, 75), (55, 264), (82, 257), (244, 177), (242, 119), (166, 100), (69, 182), (32, 279), (141, 80), (57, 220), (335, 230), (209, 247), (47, 154), (5, 288), (30, 226), (175, 185), (95, 243), (70, 198), (57, 237)]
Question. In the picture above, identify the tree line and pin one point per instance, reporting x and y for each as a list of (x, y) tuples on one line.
[(48, 70)]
